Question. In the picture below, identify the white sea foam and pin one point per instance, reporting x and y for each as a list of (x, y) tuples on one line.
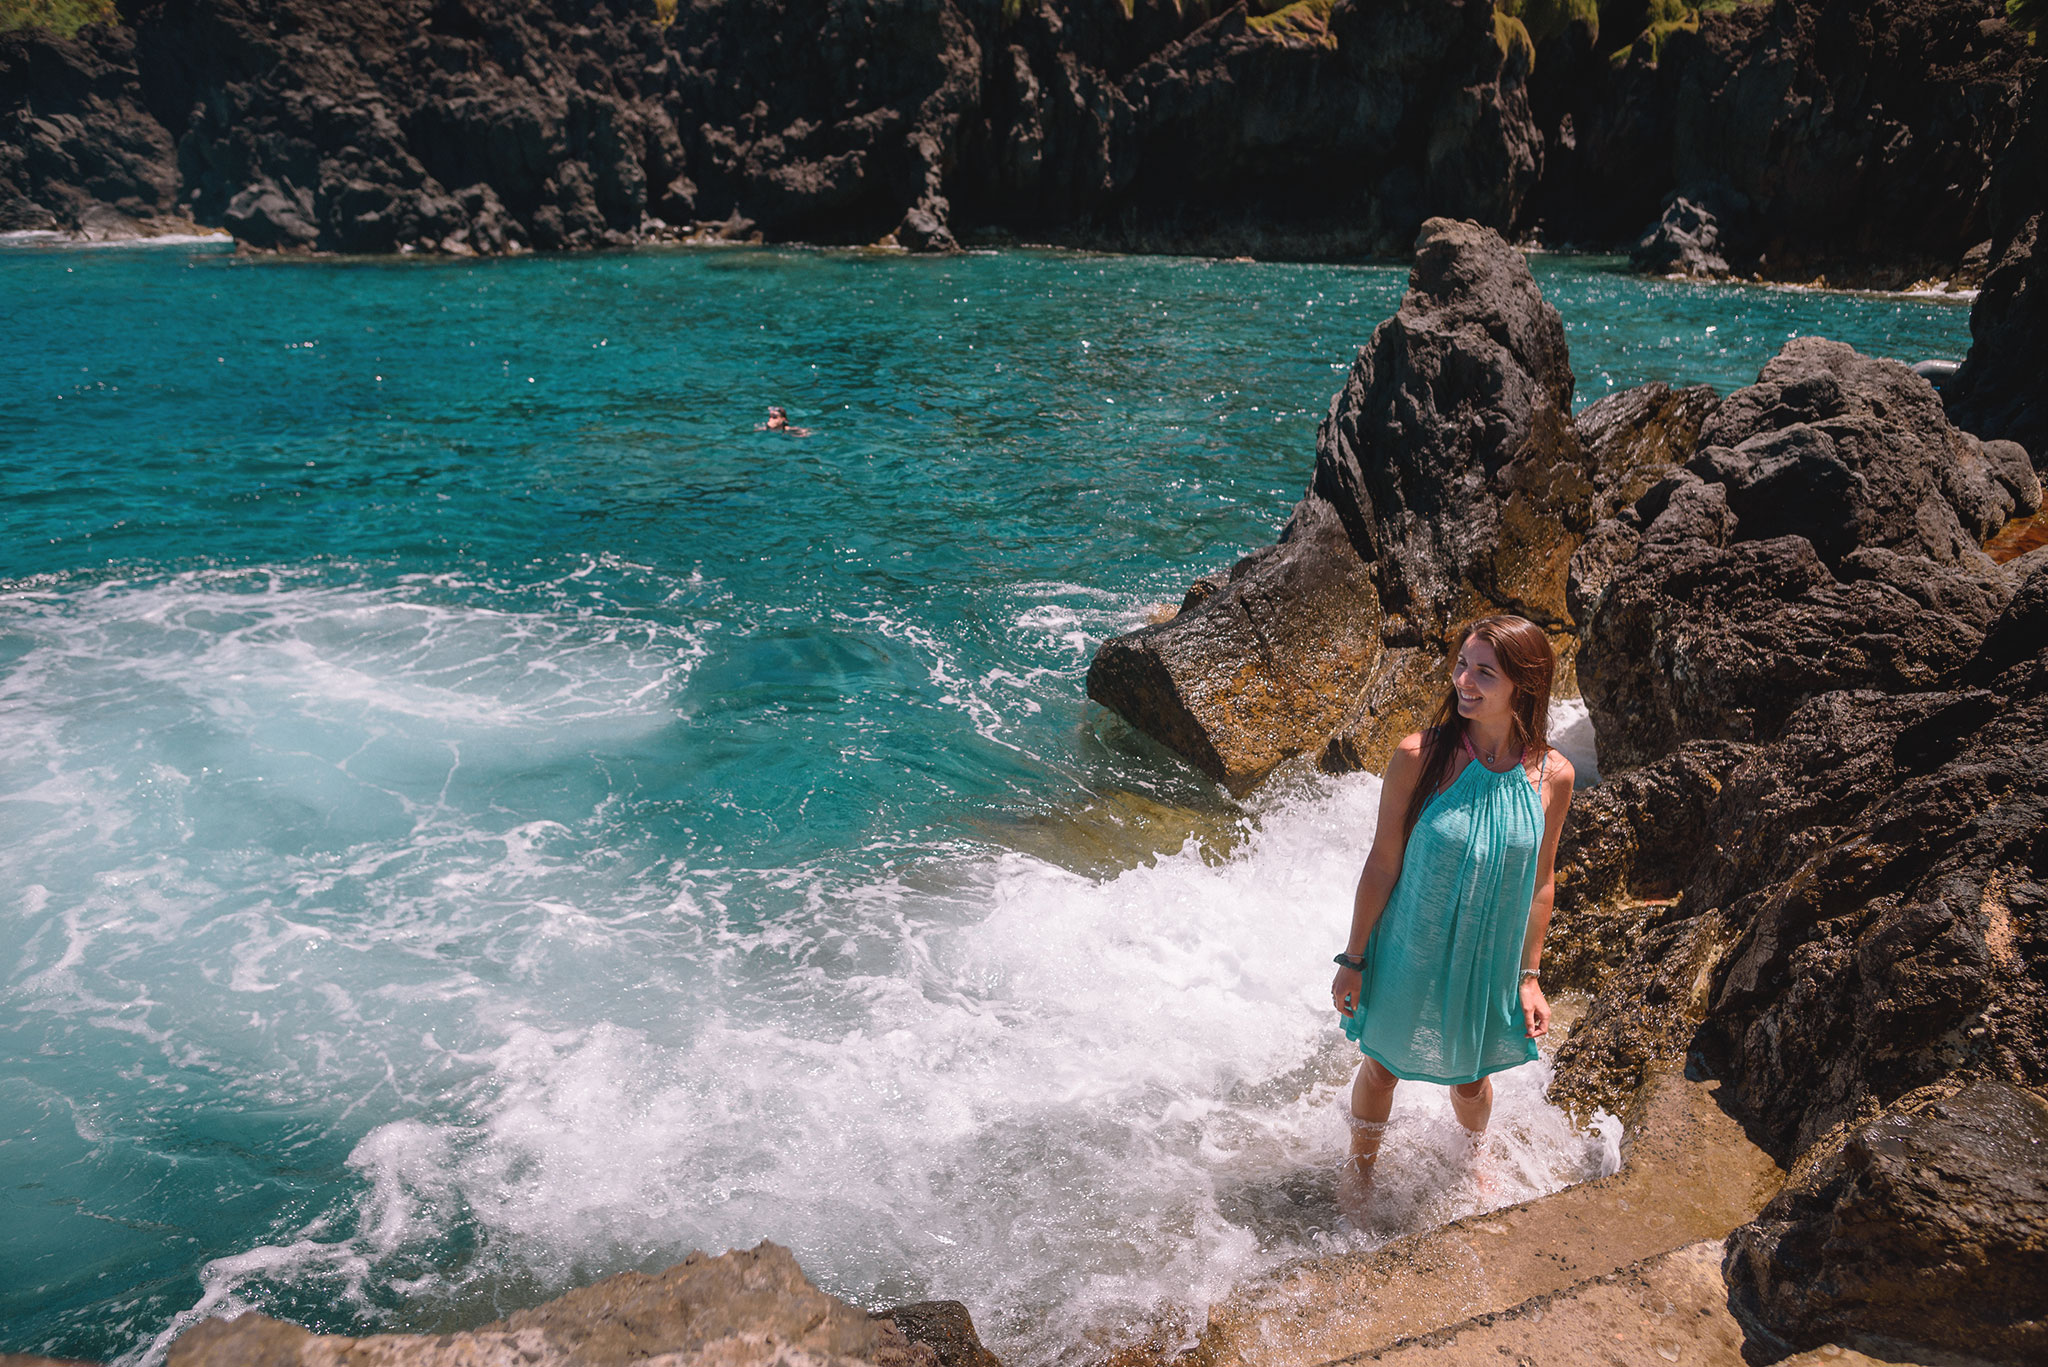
[(1079, 1104), (49, 237), (1571, 735)]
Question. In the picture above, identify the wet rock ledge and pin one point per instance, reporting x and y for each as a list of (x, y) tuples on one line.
[(751, 1308)]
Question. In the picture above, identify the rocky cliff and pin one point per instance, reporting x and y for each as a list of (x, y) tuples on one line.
[(1999, 392), (501, 125), (1849, 138), (1814, 131)]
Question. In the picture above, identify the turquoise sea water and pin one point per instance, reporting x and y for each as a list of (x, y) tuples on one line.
[(476, 815)]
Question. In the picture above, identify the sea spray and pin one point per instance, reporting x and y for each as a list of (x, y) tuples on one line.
[(1084, 1106)]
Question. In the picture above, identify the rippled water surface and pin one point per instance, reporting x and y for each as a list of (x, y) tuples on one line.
[(476, 815)]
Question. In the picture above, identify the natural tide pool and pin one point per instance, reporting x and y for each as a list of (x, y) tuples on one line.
[(475, 815)]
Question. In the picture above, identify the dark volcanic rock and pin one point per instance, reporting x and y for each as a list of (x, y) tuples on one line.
[(1450, 453), (497, 125), (1630, 847), (1453, 459), (1638, 437), (1817, 131), (78, 152), (1686, 241), (1927, 1225), (2000, 390), (1825, 535), (1449, 482), (1866, 914), (1842, 137)]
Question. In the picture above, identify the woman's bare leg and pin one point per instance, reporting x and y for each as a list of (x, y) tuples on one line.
[(1472, 1103), (1372, 1098)]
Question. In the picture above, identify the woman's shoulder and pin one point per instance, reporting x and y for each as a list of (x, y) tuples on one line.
[(1415, 746), (1558, 775)]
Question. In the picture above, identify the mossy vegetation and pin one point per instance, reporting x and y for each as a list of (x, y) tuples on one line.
[(2031, 15), (63, 17), (665, 12), (1546, 19), (1662, 19), (1305, 20), (1513, 37)]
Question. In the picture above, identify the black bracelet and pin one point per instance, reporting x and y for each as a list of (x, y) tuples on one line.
[(1354, 962)]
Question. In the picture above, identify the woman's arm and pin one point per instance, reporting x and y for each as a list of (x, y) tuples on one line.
[(1382, 866), (1557, 800)]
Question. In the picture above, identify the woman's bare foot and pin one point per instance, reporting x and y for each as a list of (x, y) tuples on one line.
[(1354, 1181), (1472, 1104), (1475, 1163), (1354, 1190)]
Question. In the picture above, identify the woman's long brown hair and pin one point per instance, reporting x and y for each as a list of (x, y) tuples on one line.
[(1529, 663)]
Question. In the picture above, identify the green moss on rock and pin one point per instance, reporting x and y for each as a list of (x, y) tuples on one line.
[(1302, 21), (2031, 15), (1546, 19), (62, 17), (1516, 47)]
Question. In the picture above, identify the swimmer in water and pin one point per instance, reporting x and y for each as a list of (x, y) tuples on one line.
[(778, 421)]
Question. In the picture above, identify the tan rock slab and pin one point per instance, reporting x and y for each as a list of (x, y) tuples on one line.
[(1669, 1309), (1689, 1175), (752, 1308)]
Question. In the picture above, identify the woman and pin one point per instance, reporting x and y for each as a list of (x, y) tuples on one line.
[(1438, 982)]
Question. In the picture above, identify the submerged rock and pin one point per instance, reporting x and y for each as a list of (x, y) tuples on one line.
[(1449, 482), (740, 1309), (1925, 1225), (946, 1328)]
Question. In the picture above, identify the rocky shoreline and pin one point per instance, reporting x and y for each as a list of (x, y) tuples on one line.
[(1815, 868)]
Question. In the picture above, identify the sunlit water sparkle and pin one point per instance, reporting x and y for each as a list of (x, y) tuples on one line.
[(476, 816)]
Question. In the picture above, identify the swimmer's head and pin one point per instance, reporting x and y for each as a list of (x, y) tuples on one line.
[(777, 417)]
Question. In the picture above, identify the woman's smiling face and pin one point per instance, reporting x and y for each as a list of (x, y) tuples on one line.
[(1484, 693)]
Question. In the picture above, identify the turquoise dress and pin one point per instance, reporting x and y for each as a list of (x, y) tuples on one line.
[(1443, 968)]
